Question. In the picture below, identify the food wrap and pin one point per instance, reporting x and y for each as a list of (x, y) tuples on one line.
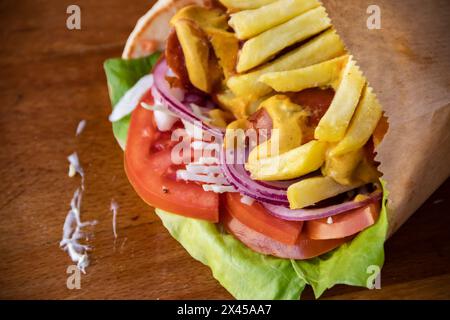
[(407, 63)]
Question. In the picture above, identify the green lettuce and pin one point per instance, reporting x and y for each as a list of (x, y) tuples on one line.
[(243, 272), (121, 75)]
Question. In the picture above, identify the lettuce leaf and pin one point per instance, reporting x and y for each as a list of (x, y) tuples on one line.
[(353, 263), (121, 75), (243, 272)]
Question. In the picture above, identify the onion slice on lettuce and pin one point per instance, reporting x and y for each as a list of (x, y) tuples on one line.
[(130, 100)]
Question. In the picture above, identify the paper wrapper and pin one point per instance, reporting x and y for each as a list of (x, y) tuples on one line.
[(407, 62)]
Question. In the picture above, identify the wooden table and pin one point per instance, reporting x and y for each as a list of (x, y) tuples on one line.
[(51, 78)]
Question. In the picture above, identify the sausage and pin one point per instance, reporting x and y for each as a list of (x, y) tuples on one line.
[(261, 120)]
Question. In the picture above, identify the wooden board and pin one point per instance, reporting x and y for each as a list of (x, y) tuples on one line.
[(50, 79)]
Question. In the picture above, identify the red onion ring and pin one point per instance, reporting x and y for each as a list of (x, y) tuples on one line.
[(285, 213), (167, 96), (240, 178)]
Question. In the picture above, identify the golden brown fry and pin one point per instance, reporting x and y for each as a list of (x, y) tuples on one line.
[(312, 190), (226, 47), (334, 123), (363, 124), (318, 75), (260, 48), (342, 168), (325, 46), (250, 23), (236, 5), (291, 164), (196, 53)]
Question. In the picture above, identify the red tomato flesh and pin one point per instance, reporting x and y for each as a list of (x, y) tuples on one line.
[(151, 172), (303, 248), (344, 225), (257, 218)]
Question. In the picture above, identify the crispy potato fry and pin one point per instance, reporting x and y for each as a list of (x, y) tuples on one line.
[(196, 53), (202, 16), (289, 165), (226, 47), (312, 190), (236, 5), (260, 48), (250, 23), (318, 75), (334, 123), (342, 168), (325, 46), (363, 124)]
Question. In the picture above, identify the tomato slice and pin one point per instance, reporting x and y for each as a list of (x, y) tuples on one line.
[(345, 224), (151, 172), (257, 218), (303, 248)]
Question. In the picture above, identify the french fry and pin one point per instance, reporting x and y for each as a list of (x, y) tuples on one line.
[(341, 168), (250, 23), (236, 5), (226, 47), (325, 46), (318, 75), (196, 53), (312, 190), (289, 165), (363, 124), (260, 48), (335, 121)]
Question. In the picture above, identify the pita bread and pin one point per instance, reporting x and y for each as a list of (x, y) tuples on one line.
[(152, 29)]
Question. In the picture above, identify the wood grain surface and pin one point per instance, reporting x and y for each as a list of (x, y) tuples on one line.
[(50, 79)]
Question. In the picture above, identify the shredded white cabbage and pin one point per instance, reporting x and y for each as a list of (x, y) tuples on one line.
[(247, 200), (218, 188), (202, 169), (208, 160), (131, 98), (189, 176)]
